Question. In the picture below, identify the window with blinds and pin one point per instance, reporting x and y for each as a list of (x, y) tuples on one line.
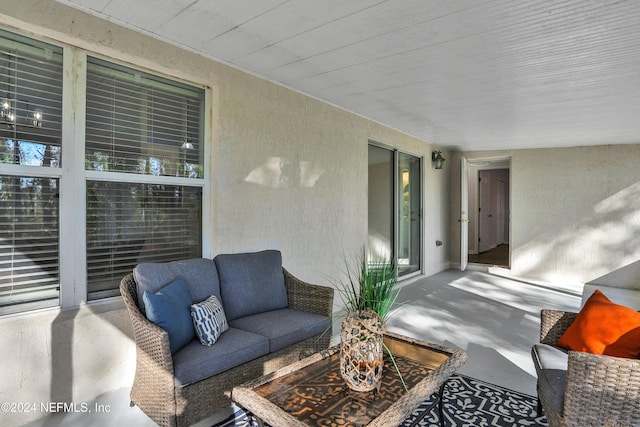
[(30, 135), (132, 223), (140, 124), (29, 267), (30, 102), (143, 172)]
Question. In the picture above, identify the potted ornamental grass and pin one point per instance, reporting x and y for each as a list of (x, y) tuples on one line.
[(369, 293)]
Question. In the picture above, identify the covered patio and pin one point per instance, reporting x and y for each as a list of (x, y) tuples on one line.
[(492, 317)]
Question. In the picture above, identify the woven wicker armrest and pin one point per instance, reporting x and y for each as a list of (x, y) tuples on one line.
[(150, 339), (153, 384), (602, 391), (308, 297), (553, 323)]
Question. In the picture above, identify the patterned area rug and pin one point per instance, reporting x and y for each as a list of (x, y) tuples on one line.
[(467, 402)]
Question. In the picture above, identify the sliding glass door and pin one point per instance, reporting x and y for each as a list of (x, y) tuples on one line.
[(409, 209), (395, 208)]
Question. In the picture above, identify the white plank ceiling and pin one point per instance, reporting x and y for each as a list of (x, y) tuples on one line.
[(462, 74)]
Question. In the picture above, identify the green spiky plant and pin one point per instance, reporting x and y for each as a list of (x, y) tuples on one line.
[(371, 286)]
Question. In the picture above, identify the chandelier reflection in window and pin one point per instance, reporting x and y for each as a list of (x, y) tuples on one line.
[(6, 113), (9, 114)]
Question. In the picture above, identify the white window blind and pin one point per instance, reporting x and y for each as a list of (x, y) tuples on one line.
[(30, 102), (130, 223), (30, 135), (29, 267), (140, 124)]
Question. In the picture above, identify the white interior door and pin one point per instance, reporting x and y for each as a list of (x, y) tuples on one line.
[(501, 191), (487, 227), (464, 215)]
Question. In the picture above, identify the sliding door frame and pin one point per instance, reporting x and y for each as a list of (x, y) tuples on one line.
[(396, 208)]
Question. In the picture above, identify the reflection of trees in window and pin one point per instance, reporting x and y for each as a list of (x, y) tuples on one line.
[(7, 151), (30, 153), (97, 161)]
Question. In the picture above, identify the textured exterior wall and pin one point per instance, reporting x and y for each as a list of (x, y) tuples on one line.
[(288, 172), (291, 173), (575, 213)]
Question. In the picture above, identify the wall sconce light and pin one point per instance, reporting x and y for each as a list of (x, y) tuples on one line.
[(437, 159)]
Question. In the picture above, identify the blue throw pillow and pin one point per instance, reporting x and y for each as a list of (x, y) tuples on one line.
[(169, 308), (209, 320)]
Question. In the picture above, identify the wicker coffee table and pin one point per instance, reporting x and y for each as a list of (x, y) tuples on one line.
[(311, 392)]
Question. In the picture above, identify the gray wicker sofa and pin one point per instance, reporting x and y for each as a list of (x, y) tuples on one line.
[(274, 319)]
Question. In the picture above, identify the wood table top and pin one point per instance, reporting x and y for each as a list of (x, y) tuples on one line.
[(312, 392)]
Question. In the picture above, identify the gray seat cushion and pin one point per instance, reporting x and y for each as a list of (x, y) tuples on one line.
[(199, 273), (251, 283), (551, 365), (195, 361), (283, 327)]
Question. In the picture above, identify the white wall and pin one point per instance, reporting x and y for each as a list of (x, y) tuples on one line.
[(267, 135), (575, 213), (289, 172)]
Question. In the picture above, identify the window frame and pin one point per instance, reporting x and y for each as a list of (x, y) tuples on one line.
[(73, 177), (17, 170)]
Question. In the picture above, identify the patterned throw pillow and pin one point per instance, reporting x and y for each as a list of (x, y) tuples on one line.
[(209, 320)]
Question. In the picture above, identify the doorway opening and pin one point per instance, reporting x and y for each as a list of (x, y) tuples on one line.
[(489, 212)]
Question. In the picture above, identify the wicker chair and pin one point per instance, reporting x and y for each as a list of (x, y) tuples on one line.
[(599, 391), (154, 390)]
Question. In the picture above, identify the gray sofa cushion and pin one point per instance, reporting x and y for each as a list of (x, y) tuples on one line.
[(195, 361), (283, 327), (551, 365), (251, 283), (200, 274)]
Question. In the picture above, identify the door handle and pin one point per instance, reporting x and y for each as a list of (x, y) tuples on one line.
[(490, 215)]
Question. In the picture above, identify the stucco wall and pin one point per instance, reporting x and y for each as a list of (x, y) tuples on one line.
[(291, 173), (288, 172), (575, 213)]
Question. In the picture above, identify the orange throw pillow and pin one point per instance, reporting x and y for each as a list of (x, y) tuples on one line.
[(603, 327)]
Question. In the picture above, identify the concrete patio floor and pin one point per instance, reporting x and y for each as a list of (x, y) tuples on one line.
[(494, 318)]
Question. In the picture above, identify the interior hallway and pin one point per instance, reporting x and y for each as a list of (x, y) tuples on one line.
[(495, 319), (496, 256)]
